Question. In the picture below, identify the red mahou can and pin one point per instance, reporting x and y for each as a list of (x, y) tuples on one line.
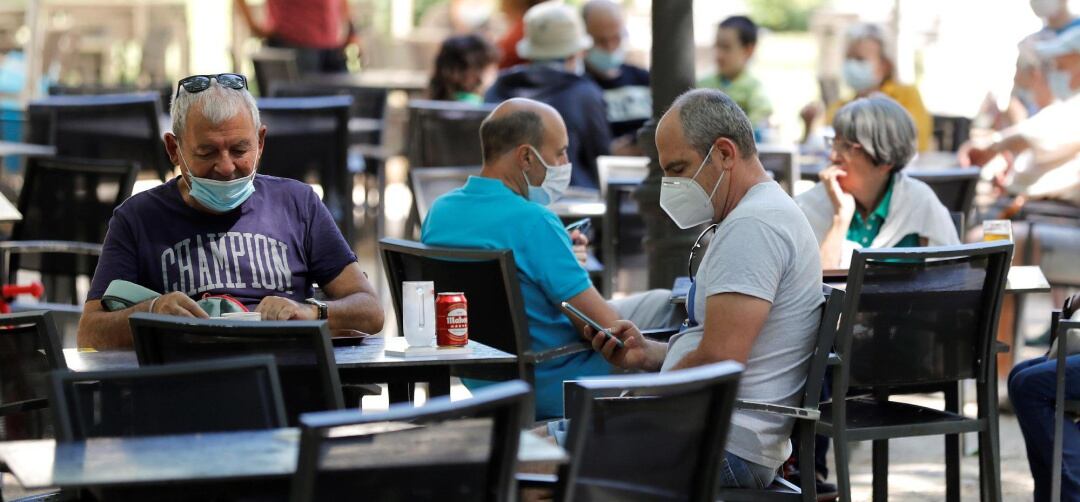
[(451, 320)]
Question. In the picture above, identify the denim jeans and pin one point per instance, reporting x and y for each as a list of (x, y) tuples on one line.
[(737, 472), (1032, 385)]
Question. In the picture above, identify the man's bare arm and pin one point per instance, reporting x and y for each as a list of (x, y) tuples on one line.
[(352, 302), (732, 324)]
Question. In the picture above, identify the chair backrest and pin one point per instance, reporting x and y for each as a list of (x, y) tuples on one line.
[(164, 92), (444, 133), (649, 436), (29, 351), (273, 65), (782, 162), (207, 396), (955, 188), (487, 277), (302, 349), (921, 315), (308, 136), (431, 183), (107, 126), (958, 222), (448, 451), (69, 199), (368, 102), (951, 132)]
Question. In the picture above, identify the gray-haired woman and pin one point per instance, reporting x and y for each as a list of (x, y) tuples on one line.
[(864, 199)]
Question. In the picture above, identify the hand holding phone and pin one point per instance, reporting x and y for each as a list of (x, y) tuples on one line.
[(592, 324)]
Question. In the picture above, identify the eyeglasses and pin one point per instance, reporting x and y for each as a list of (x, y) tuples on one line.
[(697, 245), (200, 83), (832, 142)]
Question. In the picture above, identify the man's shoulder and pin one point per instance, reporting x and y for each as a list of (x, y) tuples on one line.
[(638, 75), (146, 201)]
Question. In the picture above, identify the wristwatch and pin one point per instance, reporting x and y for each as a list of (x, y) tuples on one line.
[(321, 305)]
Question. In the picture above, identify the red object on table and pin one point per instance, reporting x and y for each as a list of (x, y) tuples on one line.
[(8, 292)]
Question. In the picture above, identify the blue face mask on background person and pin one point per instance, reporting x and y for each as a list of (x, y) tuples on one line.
[(1060, 83), (859, 75), (220, 196), (555, 182), (604, 61)]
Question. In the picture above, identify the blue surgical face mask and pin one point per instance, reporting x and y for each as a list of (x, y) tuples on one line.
[(604, 61), (220, 196), (859, 75), (556, 180), (1060, 83)]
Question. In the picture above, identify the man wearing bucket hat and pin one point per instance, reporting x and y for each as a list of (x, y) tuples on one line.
[(554, 48)]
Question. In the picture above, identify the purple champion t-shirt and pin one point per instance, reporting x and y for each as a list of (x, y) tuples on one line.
[(277, 243)]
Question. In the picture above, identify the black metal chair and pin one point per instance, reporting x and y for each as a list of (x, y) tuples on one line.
[(645, 437), (442, 134), (29, 351), (305, 357), (66, 205), (108, 126), (951, 132), (272, 66), (368, 105), (445, 133), (1059, 328), (490, 283), (431, 183), (783, 163), (806, 416), (164, 92), (307, 136), (918, 317), (207, 396), (473, 457), (955, 188)]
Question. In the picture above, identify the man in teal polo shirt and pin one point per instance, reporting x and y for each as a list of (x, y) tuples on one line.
[(524, 145)]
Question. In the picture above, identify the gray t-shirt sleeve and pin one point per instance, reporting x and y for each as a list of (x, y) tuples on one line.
[(746, 257)]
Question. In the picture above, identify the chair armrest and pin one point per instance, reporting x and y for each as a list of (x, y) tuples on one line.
[(834, 359), (1001, 347), (30, 247), (549, 354), (777, 409), (531, 480), (661, 334)]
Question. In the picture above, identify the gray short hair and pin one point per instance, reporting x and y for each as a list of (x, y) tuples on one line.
[(708, 114), (882, 128), (217, 104)]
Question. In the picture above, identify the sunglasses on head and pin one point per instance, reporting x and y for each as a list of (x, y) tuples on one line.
[(200, 83)]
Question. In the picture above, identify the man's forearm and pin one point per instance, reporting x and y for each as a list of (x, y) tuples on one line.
[(108, 330), (696, 358), (359, 311)]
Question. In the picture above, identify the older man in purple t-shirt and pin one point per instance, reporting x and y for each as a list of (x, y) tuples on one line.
[(219, 228)]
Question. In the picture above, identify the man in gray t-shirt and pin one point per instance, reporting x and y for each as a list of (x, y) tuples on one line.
[(757, 294)]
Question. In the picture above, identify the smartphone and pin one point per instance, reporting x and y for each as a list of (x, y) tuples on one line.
[(583, 225), (593, 324)]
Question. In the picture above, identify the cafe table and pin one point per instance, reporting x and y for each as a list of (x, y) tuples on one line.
[(267, 457), (359, 361)]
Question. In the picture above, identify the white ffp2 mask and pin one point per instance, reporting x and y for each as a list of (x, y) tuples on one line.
[(685, 201)]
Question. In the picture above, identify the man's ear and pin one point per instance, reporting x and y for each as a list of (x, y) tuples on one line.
[(523, 154), (725, 151), (262, 138), (172, 147)]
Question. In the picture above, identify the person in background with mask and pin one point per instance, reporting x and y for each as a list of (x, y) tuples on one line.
[(868, 69), (626, 87), (1045, 148), (526, 166), (462, 69), (221, 229), (554, 45), (756, 296), (736, 39), (1030, 87)]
